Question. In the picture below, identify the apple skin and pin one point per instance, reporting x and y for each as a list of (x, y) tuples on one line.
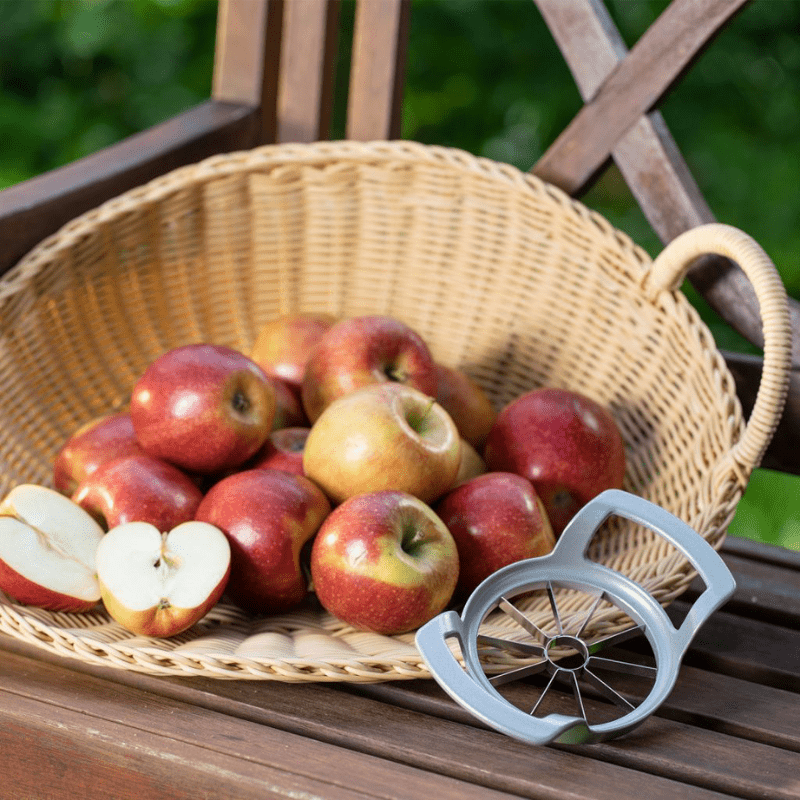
[(47, 550), (283, 450), (204, 408), (565, 443), (289, 411), (157, 583), (94, 443), (496, 519), (284, 344), (139, 488), (471, 464), (384, 436), (363, 351), (268, 516), (384, 562), (466, 402)]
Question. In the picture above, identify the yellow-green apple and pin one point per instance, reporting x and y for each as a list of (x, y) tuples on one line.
[(205, 408), (384, 436), (94, 443), (158, 583), (47, 550), (566, 444), (139, 488), (288, 408), (467, 403), (495, 519), (283, 345), (283, 450), (363, 351), (384, 562), (268, 516), (470, 465)]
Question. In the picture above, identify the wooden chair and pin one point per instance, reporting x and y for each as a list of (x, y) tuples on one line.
[(273, 80)]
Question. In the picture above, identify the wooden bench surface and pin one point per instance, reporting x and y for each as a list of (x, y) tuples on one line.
[(731, 727)]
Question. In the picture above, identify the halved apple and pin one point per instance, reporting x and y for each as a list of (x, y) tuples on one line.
[(160, 584), (47, 550)]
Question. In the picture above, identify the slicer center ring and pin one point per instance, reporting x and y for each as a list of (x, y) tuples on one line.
[(569, 663)]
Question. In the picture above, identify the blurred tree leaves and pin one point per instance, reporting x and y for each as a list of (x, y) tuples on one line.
[(78, 75), (482, 75)]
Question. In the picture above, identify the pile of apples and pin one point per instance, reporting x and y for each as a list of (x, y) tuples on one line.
[(336, 458)]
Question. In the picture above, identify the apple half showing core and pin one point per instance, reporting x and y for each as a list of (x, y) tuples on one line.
[(47, 550), (160, 584)]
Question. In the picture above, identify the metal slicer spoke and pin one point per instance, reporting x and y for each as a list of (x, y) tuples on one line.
[(615, 638), (509, 644), (546, 689), (521, 619), (589, 616), (518, 674), (576, 690), (611, 694), (627, 667), (554, 606)]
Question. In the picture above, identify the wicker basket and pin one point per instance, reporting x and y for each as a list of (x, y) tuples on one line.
[(502, 274)]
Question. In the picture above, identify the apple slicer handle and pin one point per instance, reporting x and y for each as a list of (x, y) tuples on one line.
[(712, 570), (668, 271), (431, 640)]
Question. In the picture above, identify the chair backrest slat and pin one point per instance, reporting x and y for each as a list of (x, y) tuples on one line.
[(308, 59), (377, 72), (634, 87), (247, 58)]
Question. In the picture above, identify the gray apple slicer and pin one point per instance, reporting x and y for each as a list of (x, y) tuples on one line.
[(555, 651)]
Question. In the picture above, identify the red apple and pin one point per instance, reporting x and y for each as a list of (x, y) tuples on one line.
[(385, 436), (384, 562), (466, 402), (565, 443), (283, 450), (94, 443), (495, 519), (268, 516), (288, 408), (203, 407), (160, 584), (139, 488), (283, 345), (363, 351), (47, 550)]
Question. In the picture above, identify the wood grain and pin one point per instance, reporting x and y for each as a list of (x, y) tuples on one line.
[(247, 59), (635, 85), (377, 74), (33, 209), (308, 58)]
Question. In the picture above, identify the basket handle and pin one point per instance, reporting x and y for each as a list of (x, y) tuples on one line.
[(668, 271)]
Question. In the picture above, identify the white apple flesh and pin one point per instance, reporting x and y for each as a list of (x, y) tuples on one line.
[(160, 584), (47, 550)]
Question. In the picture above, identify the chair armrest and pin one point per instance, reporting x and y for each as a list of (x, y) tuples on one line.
[(32, 210)]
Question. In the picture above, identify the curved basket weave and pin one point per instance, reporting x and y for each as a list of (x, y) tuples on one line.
[(502, 274)]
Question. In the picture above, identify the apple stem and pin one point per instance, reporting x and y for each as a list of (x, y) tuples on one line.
[(417, 421)]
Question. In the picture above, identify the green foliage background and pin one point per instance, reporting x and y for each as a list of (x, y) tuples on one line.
[(483, 75)]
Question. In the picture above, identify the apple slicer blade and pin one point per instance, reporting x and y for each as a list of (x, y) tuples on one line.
[(577, 688)]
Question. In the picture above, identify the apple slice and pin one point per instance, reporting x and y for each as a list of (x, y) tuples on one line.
[(159, 584), (47, 550)]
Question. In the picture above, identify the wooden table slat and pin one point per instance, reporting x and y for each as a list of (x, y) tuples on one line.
[(341, 716)]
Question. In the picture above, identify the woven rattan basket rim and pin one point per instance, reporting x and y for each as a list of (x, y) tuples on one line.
[(316, 154), (381, 658)]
